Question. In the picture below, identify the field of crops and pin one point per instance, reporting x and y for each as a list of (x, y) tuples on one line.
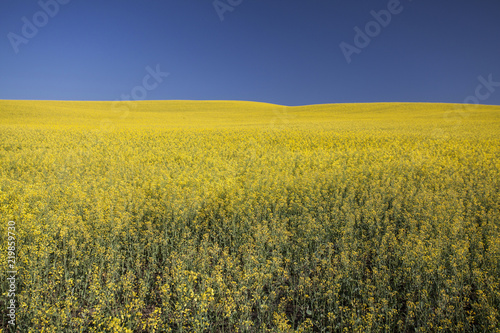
[(179, 216)]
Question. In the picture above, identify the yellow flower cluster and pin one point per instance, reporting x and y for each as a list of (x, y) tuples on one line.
[(254, 218)]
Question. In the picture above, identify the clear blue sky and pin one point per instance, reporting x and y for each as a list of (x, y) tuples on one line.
[(283, 52)]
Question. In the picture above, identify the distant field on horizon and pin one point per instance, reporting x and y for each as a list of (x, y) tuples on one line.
[(207, 114), (210, 216)]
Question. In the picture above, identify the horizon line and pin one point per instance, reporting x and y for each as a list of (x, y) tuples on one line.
[(242, 101)]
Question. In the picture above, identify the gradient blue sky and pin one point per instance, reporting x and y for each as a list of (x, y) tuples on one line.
[(283, 52)]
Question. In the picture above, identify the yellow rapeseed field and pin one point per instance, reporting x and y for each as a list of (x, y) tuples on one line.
[(197, 216)]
